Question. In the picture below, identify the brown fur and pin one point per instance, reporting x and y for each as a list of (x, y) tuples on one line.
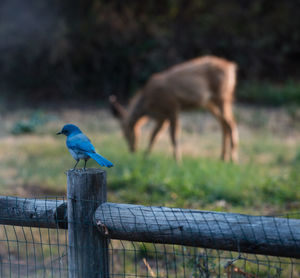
[(207, 82)]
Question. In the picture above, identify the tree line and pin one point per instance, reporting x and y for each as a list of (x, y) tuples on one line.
[(69, 48)]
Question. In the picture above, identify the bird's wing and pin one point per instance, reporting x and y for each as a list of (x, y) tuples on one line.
[(80, 142)]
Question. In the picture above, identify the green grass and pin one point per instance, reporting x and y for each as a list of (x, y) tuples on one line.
[(200, 182), (265, 181)]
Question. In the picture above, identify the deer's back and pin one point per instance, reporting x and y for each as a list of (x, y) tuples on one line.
[(193, 83)]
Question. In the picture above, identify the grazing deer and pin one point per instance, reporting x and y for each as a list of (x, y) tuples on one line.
[(207, 82)]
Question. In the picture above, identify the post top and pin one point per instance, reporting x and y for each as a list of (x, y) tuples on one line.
[(87, 171)]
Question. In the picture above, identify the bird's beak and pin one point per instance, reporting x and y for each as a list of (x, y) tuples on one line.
[(58, 133)]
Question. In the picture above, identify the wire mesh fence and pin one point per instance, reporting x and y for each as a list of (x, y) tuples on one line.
[(33, 252), (138, 259), (43, 252), (32, 246)]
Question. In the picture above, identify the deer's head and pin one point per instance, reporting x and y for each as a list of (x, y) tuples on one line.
[(127, 125)]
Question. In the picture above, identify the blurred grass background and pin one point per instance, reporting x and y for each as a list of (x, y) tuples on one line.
[(265, 181)]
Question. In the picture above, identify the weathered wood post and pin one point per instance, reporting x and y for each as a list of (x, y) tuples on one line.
[(88, 250)]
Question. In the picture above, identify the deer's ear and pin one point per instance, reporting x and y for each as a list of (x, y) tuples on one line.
[(116, 108)]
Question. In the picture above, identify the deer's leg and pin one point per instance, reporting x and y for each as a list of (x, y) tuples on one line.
[(232, 127), (156, 130), (217, 112), (174, 128), (226, 142)]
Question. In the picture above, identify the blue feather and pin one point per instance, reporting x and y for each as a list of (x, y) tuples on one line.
[(100, 160)]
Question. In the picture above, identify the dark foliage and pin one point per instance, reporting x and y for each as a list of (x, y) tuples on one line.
[(61, 49)]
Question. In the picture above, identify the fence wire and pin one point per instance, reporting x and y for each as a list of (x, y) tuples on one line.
[(43, 252), (33, 252)]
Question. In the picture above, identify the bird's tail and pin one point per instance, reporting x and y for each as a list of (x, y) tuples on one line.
[(100, 160)]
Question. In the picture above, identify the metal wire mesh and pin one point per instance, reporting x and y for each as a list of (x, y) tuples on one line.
[(138, 259), (33, 252), (42, 252)]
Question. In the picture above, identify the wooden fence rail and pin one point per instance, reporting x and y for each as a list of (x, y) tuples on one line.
[(91, 220), (216, 230), (43, 213)]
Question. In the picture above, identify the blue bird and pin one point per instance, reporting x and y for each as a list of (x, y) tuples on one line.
[(80, 146)]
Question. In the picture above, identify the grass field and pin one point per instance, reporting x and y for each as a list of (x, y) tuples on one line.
[(266, 180)]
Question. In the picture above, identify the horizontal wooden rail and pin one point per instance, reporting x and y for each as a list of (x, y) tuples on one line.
[(216, 230), (33, 212)]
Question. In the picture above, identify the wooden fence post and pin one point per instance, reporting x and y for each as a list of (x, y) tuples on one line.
[(87, 248)]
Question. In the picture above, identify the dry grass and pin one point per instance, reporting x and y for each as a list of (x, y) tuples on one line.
[(33, 164)]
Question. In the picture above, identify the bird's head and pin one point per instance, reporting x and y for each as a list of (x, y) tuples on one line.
[(69, 129)]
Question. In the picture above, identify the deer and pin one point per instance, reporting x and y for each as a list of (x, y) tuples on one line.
[(206, 82)]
